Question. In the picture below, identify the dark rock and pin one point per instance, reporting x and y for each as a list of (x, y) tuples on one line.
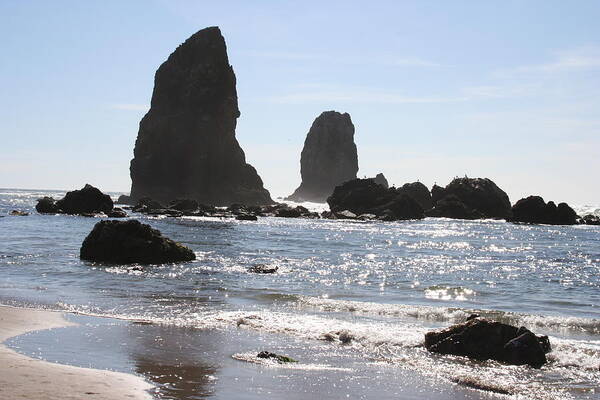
[(525, 349), (126, 242), (472, 316), (186, 145), (263, 269), (165, 211), (328, 159), (482, 339), (189, 205), (146, 205), (328, 215), (480, 198), (18, 213), (46, 205), (246, 217), (116, 213), (419, 193), (124, 199), (590, 219), (85, 201), (380, 180), (535, 210), (364, 196), (437, 192), (88, 200), (291, 212), (276, 357), (238, 209), (452, 207)]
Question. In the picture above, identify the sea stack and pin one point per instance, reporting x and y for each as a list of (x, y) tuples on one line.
[(186, 145), (328, 159)]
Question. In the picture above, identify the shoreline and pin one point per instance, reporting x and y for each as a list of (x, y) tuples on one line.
[(23, 377)]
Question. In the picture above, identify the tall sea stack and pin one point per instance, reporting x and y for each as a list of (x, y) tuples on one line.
[(328, 158), (186, 145)]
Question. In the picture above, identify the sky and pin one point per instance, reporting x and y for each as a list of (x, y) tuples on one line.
[(508, 90)]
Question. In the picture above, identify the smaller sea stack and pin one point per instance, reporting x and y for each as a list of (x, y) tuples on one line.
[(329, 157)]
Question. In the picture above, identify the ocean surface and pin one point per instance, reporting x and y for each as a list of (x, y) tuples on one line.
[(351, 301)]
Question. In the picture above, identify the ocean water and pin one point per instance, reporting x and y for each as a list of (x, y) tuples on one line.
[(351, 300)]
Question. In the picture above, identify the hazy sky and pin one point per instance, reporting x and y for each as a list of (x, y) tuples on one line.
[(508, 90)]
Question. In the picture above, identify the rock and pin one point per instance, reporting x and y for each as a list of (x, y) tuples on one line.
[(18, 213), (367, 217), (276, 357), (124, 199), (437, 192), (46, 205), (116, 213), (291, 212), (535, 210), (418, 192), (165, 211), (263, 269), (452, 207), (246, 217), (345, 215), (525, 349), (238, 209), (470, 198), (590, 219), (482, 339), (146, 205), (344, 336), (328, 159), (85, 201), (380, 180), (126, 242), (364, 196), (188, 205), (186, 145)]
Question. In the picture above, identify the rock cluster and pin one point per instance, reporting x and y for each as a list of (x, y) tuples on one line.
[(364, 197), (328, 159), (470, 198), (590, 219), (276, 357), (88, 200), (186, 145), (482, 339), (191, 208), (535, 210), (126, 242)]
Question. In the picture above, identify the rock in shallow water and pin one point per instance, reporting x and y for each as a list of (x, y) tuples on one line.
[(364, 196), (126, 242), (18, 213), (276, 357), (535, 210), (88, 200), (263, 269), (482, 339), (470, 198)]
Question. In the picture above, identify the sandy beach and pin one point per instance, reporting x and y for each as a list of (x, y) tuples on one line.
[(27, 378)]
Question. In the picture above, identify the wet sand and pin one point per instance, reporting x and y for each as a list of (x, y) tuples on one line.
[(186, 363), (22, 377)]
